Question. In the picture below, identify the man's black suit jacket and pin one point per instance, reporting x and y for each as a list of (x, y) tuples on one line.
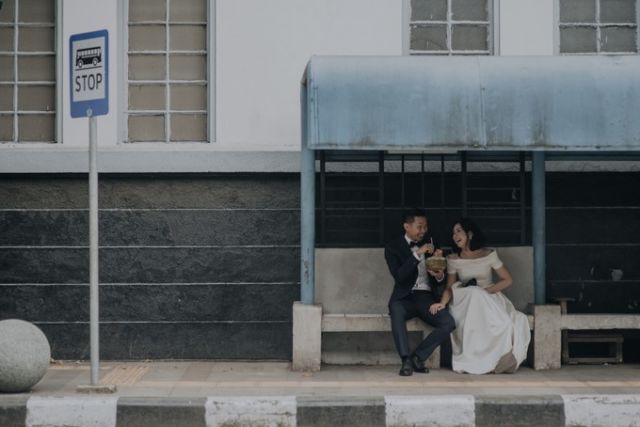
[(403, 266)]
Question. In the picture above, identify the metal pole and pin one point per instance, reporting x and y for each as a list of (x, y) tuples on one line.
[(538, 220), (307, 211), (93, 249)]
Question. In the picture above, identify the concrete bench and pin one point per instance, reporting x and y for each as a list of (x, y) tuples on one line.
[(550, 324), (352, 290)]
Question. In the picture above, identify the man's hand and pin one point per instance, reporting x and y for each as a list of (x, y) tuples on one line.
[(435, 308), (426, 248), (439, 275)]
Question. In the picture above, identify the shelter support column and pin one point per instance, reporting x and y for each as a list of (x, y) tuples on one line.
[(307, 213), (538, 205)]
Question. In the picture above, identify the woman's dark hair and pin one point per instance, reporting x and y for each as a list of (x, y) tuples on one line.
[(468, 226)]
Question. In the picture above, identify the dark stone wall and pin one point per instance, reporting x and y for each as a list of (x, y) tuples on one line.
[(202, 266)]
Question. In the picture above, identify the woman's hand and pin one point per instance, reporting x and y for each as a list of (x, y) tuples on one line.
[(435, 308)]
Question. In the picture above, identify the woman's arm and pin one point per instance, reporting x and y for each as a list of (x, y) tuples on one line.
[(504, 282), (446, 295)]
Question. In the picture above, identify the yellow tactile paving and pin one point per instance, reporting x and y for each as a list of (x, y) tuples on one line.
[(125, 375)]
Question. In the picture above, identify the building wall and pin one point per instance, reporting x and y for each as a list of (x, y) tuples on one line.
[(190, 266), (199, 242), (257, 54)]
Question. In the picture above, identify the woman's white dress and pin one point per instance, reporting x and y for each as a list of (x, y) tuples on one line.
[(487, 325)]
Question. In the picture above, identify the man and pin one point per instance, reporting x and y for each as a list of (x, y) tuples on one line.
[(414, 292)]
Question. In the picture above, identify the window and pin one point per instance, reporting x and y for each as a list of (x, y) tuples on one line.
[(27, 71), (450, 27), (167, 71), (598, 26)]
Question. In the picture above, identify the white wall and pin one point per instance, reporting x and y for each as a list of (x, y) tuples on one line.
[(261, 49), (261, 52), (527, 27)]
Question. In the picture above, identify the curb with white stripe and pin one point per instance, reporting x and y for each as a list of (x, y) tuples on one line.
[(616, 410)]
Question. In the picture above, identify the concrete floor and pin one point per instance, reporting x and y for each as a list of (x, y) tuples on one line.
[(214, 378)]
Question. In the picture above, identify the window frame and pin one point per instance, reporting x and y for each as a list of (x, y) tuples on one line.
[(16, 25), (598, 25), (209, 50), (492, 23)]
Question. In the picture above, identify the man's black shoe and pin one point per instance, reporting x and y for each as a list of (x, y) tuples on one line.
[(418, 364), (407, 367)]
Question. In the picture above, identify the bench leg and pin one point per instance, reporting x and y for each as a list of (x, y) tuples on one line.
[(547, 337), (307, 337)]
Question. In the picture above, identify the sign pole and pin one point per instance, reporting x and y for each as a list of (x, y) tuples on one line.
[(93, 250), (89, 93)]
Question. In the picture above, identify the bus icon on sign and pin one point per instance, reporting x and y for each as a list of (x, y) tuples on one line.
[(91, 55)]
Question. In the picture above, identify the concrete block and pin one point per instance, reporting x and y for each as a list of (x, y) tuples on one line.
[(441, 411), (13, 410), (547, 337), (519, 262), (601, 410), (516, 411), (307, 337), (250, 411), (352, 280), (350, 411), (161, 412), (72, 411)]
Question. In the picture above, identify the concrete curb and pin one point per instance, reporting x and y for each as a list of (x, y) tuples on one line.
[(620, 410)]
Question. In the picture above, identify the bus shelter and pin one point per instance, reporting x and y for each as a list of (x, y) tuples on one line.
[(544, 105), (431, 104)]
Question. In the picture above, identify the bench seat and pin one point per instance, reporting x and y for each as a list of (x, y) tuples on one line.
[(577, 322), (366, 323), (373, 323)]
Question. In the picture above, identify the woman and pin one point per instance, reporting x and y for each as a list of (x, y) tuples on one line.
[(490, 335)]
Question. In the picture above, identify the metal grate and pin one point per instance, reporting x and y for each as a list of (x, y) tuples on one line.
[(362, 195)]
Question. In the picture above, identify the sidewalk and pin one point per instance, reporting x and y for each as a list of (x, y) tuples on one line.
[(208, 393)]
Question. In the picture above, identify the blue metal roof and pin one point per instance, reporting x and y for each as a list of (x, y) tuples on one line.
[(473, 103)]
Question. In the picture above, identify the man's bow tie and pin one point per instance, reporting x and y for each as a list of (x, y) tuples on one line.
[(412, 244)]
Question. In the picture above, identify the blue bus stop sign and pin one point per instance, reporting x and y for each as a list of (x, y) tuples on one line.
[(89, 73)]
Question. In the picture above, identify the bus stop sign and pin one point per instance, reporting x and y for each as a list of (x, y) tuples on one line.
[(89, 73)]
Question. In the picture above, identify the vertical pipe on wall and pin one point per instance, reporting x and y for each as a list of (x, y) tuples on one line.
[(381, 197), (523, 200), (323, 197), (307, 209), (538, 223), (463, 182), (422, 198), (442, 186)]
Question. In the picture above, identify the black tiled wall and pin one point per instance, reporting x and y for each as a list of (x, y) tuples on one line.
[(190, 266)]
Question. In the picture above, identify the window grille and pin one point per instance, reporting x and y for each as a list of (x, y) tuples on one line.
[(27, 71), (598, 26), (167, 71), (450, 27)]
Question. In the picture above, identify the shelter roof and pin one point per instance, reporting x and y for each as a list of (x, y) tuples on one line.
[(430, 104)]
